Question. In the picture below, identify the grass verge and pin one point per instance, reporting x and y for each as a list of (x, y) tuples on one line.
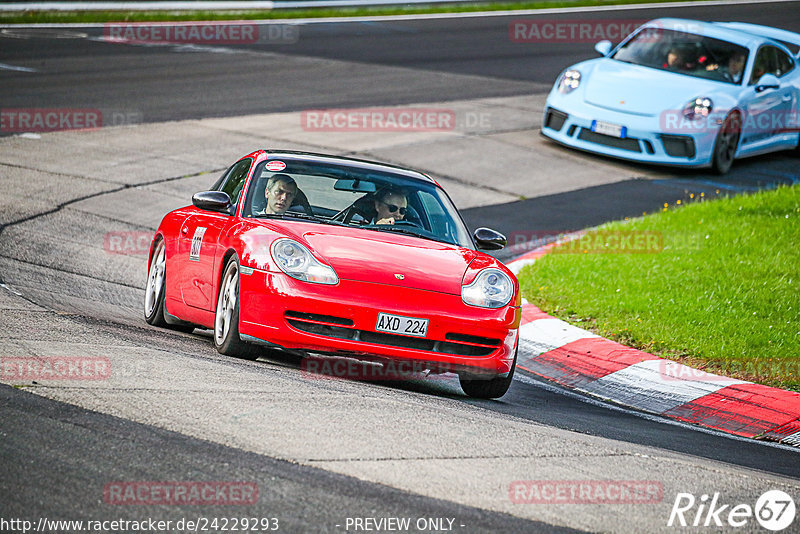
[(723, 294), (38, 17)]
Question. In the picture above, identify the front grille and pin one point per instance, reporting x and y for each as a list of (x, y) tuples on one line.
[(323, 329), (678, 146), (478, 340), (394, 340), (555, 119), (627, 143), (318, 318)]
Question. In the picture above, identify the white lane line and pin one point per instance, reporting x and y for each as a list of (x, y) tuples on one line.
[(543, 335), (793, 439), (475, 14), (517, 265), (13, 67), (657, 385), (552, 388)]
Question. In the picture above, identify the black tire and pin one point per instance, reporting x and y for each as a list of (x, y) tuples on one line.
[(726, 143), (155, 307), (488, 388), (226, 317), (154, 288)]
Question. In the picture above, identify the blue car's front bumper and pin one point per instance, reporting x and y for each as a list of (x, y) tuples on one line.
[(644, 138)]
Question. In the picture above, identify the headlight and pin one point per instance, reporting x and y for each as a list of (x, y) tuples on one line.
[(492, 288), (698, 108), (295, 260), (569, 81)]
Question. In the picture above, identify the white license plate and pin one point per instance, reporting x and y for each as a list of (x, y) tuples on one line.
[(397, 324), (607, 128)]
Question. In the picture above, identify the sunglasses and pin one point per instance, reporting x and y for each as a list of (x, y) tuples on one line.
[(393, 208)]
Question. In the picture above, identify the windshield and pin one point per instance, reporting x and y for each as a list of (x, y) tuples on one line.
[(338, 194), (685, 53)]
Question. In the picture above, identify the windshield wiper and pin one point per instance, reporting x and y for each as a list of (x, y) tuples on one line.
[(314, 218), (403, 230)]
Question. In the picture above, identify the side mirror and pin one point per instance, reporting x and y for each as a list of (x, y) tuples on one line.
[(603, 47), (488, 239), (767, 81), (213, 201)]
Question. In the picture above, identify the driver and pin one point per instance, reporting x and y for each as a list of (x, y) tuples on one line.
[(390, 206), (279, 192), (735, 67)]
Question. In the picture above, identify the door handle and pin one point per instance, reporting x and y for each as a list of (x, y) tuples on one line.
[(787, 98), (185, 230)]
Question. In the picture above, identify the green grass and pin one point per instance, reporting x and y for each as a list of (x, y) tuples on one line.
[(32, 17), (722, 295)]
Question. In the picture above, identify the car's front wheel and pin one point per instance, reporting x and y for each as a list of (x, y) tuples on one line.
[(726, 143), (491, 388), (226, 320)]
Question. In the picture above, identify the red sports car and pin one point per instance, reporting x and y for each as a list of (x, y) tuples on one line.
[(334, 255)]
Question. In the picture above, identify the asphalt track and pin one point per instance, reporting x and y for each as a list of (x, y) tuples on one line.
[(57, 457)]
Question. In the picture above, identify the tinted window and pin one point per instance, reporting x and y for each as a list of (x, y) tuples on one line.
[(685, 53), (785, 63), (234, 181)]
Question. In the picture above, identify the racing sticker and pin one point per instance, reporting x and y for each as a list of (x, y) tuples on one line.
[(197, 241), (275, 166)]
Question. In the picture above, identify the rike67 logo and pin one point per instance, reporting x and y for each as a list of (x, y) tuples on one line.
[(774, 510)]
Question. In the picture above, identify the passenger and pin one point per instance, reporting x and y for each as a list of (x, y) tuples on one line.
[(390, 206), (674, 59), (680, 59), (279, 194)]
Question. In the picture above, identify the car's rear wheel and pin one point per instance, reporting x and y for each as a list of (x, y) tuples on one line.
[(155, 292), (487, 388), (226, 319), (154, 289), (726, 143)]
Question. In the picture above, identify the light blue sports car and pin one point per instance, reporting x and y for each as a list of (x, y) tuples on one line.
[(682, 92)]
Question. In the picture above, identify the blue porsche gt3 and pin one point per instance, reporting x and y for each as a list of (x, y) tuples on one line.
[(682, 92)]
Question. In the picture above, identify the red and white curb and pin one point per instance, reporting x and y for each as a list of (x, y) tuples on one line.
[(583, 361)]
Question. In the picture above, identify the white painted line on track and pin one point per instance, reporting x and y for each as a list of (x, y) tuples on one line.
[(583, 397), (654, 386), (544, 335), (5, 66), (516, 266), (436, 16)]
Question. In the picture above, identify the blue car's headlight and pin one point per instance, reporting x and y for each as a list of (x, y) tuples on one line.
[(569, 81), (492, 288), (698, 108), (295, 260)]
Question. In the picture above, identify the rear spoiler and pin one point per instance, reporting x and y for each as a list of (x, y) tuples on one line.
[(789, 39)]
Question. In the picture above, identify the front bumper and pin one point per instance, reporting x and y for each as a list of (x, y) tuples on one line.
[(650, 139), (292, 314)]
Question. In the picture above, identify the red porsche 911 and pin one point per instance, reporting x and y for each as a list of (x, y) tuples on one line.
[(337, 256)]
